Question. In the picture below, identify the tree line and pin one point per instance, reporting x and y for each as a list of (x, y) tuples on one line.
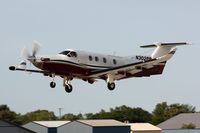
[(161, 112)]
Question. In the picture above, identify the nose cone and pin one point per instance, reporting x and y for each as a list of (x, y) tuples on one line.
[(40, 60)]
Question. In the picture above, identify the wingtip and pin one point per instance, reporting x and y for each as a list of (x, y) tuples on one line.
[(189, 43), (12, 68)]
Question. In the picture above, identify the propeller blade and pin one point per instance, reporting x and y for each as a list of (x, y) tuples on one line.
[(25, 53), (36, 48)]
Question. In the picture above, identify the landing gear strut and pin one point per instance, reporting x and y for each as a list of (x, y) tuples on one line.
[(67, 85), (52, 83)]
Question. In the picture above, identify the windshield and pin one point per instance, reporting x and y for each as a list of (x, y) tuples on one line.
[(69, 53), (65, 52)]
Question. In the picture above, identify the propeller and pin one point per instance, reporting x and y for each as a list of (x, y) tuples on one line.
[(25, 54), (36, 48)]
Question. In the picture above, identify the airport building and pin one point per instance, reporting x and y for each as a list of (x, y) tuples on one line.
[(98, 126), (79, 126), (144, 128), (45, 126), (8, 127), (182, 123)]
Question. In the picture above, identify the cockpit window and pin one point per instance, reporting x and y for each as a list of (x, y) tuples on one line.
[(69, 53), (64, 52)]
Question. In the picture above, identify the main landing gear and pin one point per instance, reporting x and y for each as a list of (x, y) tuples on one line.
[(110, 82), (52, 84), (111, 86)]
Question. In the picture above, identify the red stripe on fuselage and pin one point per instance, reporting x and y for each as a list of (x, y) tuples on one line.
[(64, 69)]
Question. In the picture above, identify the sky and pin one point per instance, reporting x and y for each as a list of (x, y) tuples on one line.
[(104, 26)]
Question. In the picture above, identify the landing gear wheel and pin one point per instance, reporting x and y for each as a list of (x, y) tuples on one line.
[(52, 84), (111, 86), (68, 88)]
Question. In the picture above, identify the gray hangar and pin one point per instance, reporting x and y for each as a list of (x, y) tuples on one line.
[(182, 123), (79, 126), (45, 126), (95, 126)]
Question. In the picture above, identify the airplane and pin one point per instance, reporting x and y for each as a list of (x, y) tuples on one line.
[(89, 66)]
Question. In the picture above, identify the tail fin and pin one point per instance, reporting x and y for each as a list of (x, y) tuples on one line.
[(163, 48)]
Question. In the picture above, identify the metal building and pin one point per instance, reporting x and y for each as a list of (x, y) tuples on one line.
[(144, 128), (45, 126), (95, 126), (8, 127), (175, 124), (79, 126)]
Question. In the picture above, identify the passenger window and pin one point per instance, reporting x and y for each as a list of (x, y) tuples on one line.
[(96, 58), (104, 60), (114, 61), (90, 58)]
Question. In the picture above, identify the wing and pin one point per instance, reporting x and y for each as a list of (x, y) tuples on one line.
[(152, 67), (13, 68)]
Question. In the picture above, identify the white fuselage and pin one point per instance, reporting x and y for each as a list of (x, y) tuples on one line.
[(88, 66), (79, 64)]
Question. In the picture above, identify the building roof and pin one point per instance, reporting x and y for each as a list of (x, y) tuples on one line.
[(7, 124), (103, 122), (51, 123), (143, 127), (178, 121)]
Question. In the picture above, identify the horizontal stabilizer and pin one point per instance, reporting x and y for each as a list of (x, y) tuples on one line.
[(162, 49), (164, 44)]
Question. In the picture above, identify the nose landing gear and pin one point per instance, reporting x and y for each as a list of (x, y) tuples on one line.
[(67, 85), (68, 88), (53, 83)]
